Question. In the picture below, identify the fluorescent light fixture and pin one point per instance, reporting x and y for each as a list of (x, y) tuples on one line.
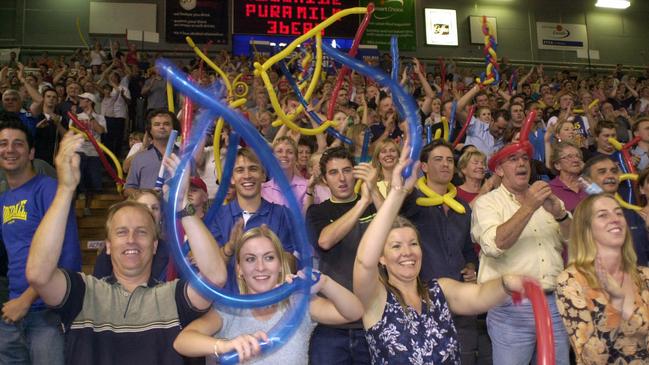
[(614, 4)]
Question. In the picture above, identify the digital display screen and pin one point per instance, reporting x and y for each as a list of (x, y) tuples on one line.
[(292, 17)]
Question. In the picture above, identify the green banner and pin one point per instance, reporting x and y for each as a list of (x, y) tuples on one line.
[(391, 17)]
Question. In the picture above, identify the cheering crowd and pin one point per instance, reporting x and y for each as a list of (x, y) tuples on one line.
[(414, 270)]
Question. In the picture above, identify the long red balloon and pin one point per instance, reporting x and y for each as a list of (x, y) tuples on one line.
[(352, 53), (466, 125), (186, 122), (627, 156), (100, 152), (542, 323)]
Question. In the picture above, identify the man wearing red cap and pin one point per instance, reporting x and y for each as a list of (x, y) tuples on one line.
[(521, 229)]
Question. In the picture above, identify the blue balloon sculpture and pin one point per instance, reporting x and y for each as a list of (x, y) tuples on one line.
[(286, 327)]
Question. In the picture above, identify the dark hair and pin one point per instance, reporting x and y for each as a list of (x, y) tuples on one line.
[(516, 104), (9, 121), (308, 141), (604, 124), (502, 113), (592, 161), (156, 112), (45, 90), (425, 152), (642, 177), (329, 154), (480, 93)]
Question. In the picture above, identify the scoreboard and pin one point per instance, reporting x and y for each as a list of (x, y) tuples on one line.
[(292, 17)]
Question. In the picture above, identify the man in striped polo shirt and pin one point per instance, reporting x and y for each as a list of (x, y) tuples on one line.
[(128, 318)]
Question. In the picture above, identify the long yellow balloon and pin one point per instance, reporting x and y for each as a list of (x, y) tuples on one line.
[(118, 166), (274, 101), (209, 62), (619, 199), (170, 98), (260, 70), (317, 30), (216, 142)]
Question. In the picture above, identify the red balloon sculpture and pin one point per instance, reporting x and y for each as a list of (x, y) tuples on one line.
[(542, 322)]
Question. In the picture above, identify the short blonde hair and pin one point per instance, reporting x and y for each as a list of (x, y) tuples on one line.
[(466, 158), (131, 204)]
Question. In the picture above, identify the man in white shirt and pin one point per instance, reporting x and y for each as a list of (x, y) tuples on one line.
[(91, 168), (521, 229)]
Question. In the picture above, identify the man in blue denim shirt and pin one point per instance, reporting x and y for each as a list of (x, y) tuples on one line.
[(248, 210)]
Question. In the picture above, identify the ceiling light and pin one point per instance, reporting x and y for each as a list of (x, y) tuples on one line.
[(614, 4)]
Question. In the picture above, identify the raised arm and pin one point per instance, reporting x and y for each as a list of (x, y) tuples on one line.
[(338, 229), (205, 250), (42, 273), (59, 75), (366, 273), (31, 90)]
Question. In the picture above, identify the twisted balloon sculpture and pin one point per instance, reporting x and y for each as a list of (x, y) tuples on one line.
[(492, 73)]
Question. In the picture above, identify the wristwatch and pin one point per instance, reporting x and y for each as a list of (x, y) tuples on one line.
[(187, 211)]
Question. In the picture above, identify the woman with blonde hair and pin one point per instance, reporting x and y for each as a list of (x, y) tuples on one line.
[(261, 265), (472, 166), (603, 296), (384, 159)]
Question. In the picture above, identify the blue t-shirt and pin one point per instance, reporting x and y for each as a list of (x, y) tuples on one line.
[(23, 209)]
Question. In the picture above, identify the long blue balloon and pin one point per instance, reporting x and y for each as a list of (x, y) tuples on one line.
[(394, 51), (296, 89), (228, 166), (365, 149), (402, 100), (625, 170), (451, 121), (280, 333)]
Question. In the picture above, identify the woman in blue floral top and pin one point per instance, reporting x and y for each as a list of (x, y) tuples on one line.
[(409, 321)]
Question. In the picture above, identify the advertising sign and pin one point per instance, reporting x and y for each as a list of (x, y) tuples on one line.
[(391, 17), (562, 37), (202, 20)]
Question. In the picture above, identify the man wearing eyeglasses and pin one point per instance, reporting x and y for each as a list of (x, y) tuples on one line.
[(521, 229)]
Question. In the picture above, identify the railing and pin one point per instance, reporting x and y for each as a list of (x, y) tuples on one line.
[(464, 62)]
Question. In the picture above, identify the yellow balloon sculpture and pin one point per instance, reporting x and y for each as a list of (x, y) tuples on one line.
[(432, 198)]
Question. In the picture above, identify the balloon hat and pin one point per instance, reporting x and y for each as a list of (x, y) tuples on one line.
[(522, 145)]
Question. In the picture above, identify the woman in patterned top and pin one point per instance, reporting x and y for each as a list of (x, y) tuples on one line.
[(603, 296), (409, 321)]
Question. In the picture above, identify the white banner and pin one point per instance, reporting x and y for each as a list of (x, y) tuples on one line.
[(562, 37)]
